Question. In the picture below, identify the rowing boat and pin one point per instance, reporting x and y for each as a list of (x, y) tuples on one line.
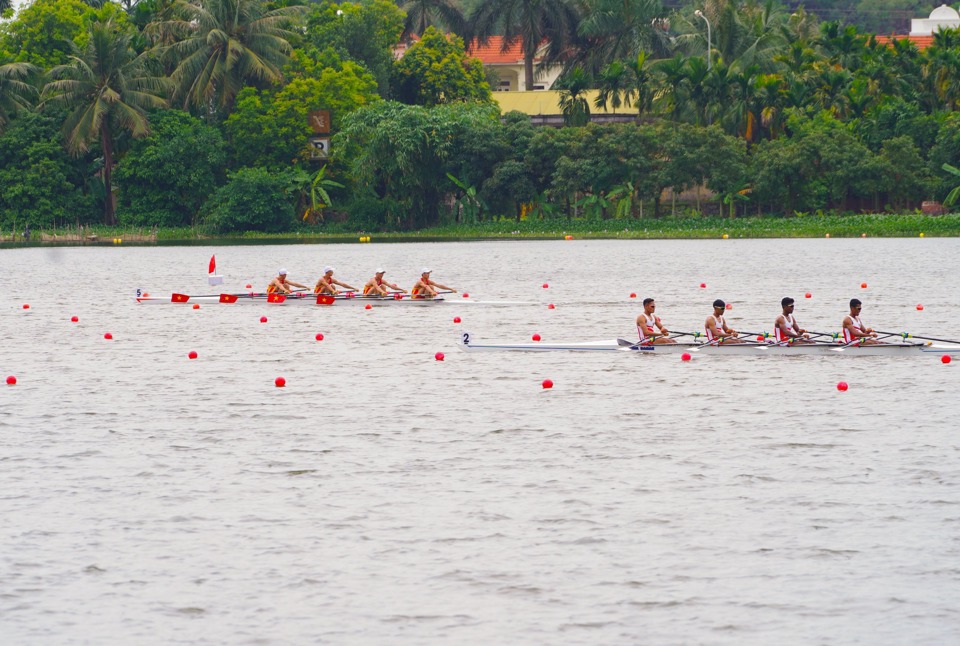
[(469, 344), (283, 299)]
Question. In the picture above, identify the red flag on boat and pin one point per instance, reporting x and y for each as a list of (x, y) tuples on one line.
[(213, 264)]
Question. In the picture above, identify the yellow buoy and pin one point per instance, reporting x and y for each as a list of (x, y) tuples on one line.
[(725, 236), (921, 235)]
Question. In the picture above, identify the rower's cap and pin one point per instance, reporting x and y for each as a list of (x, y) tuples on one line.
[(425, 270), (327, 269), (719, 303), (282, 272), (381, 270)]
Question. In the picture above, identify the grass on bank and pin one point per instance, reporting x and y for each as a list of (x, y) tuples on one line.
[(818, 226)]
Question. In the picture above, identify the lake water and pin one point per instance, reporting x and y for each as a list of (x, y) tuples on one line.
[(383, 497)]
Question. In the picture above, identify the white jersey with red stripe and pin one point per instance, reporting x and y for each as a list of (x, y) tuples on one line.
[(650, 322), (720, 323), (856, 323), (778, 334)]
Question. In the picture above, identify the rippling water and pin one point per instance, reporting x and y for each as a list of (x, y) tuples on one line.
[(384, 497)]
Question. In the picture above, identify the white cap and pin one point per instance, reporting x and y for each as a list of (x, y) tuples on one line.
[(328, 268), (380, 270), (425, 270), (282, 272)]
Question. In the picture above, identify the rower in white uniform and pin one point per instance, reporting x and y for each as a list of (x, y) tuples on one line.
[(717, 329), (786, 329), (649, 326), (854, 331)]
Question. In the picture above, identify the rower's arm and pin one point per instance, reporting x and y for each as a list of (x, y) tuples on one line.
[(290, 282), (444, 287)]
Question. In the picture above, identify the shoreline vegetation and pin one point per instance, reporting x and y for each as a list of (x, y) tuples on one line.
[(666, 228)]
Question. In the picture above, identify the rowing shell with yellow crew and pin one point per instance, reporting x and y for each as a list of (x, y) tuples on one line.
[(901, 348), (308, 298)]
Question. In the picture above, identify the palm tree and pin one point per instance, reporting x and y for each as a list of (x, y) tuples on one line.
[(106, 88), (432, 13), (617, 30), (573, 104), (16, 93), (532, 22), (221, 45)]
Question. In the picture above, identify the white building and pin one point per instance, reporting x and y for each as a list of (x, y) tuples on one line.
[(943, 17)]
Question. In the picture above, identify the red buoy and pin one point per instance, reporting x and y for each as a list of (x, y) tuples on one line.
[(280, 382), (842, 386), (107, 336), (192, 355), (26, 306), (466, 295), (456, 319), (196, 306), (536, 337), (249, 286), (263, 319), (74, 319), (545, 286), (946, 358), (551, 306), (319, 336), (808, 295), (729, 306), (547, 383), (919, 307), (438, 356), (685, 356), (11, 381), (368, 306), (633, 295), (703, 285), (863, 285)]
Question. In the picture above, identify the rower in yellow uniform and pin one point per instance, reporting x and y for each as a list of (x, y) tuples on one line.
[(649, 326), (377, 286), (326, 284), (785, 328), (717, 329), (281, 285), (426, 288)]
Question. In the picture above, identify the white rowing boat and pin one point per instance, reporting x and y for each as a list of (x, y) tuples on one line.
[(469, 343), (301, 298)]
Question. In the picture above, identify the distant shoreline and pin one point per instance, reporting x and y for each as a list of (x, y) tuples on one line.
[(666, 228)]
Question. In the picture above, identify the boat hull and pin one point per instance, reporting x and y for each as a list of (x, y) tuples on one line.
[(305, 299), (468, 344)]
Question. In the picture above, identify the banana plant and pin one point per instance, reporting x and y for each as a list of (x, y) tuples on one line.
[(469, 202), (318, 189), (623, 194), (593, 204), (955, 193)]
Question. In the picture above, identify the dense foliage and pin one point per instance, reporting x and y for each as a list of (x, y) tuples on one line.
[(194, 113)]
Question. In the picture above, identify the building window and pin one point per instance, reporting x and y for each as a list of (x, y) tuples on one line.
[(504, 86)]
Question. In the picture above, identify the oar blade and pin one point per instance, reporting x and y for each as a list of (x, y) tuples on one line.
[(325, 299), (276, 298), (179, 298), (228, 298)]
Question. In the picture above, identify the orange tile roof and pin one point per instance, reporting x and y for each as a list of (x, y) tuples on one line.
[(491, 54), (922, 42)]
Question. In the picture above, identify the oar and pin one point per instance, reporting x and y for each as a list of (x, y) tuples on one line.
[(326, 299), (907, 335)]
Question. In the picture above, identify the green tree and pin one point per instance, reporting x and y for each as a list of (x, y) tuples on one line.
[(364, 32), (40, 184), (437, 70), (43, 30), (529, 22), (166, 177), (222, 45), (573, 101), (254, 199), (269, 128), (621, 30), (401, 153), (108, 90), (16, 93)]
